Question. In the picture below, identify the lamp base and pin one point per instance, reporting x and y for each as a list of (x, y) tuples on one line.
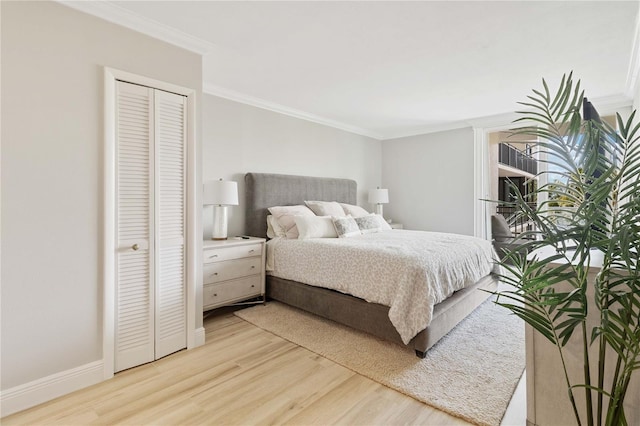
[(219, 238), (219, 223)]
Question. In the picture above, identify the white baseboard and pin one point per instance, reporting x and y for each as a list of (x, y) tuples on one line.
[(47, 388), (198, 337)]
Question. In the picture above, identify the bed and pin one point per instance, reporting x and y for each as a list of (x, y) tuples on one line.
[(267, 190)]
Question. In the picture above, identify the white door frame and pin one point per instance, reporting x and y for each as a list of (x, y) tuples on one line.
[(192, 216), (481, 184)]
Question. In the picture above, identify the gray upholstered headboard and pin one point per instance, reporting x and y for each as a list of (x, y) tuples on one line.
[(264, 190)]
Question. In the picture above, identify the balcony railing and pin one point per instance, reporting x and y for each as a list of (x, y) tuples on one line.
[(512, 157), (517, 223)]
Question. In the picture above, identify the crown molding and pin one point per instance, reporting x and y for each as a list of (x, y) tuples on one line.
[(272, 106), (118, 15), (424, 130), (490, 121), (631, 86), (609, 105), (606, 105), (496, 121)]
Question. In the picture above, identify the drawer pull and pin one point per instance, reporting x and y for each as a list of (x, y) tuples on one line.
[(252, 286), (135, 247), (253, 266), (215, 294), (251, 251), (212, 256)]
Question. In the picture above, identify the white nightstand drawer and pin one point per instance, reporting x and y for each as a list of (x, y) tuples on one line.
[(222, 271), (230, 291), (227, 253), (232, 272)]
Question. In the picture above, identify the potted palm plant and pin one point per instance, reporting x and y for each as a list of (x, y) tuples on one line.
[(594, 170)]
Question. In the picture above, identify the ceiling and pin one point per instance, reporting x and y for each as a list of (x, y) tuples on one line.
[(390, 69)]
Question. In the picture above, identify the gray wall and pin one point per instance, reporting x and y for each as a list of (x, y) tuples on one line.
[(430, 180), (239, 138), (52, 168)]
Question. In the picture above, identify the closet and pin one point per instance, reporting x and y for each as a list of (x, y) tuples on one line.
[(150, 192)]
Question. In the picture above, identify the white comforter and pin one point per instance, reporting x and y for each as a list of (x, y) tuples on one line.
[(409, 271)]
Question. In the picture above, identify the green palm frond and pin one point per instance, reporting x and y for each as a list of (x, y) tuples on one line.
[(592, 202)]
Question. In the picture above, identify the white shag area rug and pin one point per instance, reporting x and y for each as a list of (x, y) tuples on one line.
[(470, 373)]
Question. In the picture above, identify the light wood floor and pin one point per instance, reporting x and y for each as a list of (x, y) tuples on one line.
[(242, 375)]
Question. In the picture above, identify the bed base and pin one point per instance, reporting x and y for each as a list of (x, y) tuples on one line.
[(373, 318)]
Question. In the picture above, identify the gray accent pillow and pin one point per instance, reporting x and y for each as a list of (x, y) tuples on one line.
[(346, 227), (372, 223)]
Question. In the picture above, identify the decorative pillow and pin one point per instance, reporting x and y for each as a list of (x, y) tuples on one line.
[(284, 215), (355, 211), (372, 223), (274, 230), (315, 227), (346, 226), (326, 208)]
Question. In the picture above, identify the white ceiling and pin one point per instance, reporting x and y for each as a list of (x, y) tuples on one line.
[(389, 69)]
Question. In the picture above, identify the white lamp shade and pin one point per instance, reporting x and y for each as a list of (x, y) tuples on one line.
[(379, 196), (221, 193)]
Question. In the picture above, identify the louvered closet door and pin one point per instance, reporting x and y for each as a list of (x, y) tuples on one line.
[(170, 148), (150, 219), (134, 331)]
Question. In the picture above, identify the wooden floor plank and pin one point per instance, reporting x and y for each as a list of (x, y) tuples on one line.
[(242, 375)]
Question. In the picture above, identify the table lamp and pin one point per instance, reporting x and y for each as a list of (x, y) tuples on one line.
[(379, 197), (220, 194)]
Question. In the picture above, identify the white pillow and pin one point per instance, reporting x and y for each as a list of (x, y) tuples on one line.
[(372, 223), (326, 208), (274, 230), (346, 227), (355, 211), (284, 215), (270, 232), (315, 227)]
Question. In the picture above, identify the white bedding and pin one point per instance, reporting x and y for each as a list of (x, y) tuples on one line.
[(409, 271)]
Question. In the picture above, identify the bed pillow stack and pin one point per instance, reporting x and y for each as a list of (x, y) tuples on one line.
[(322, 219)]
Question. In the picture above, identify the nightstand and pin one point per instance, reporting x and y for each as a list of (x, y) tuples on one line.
[(233, 271), (396, 226)]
